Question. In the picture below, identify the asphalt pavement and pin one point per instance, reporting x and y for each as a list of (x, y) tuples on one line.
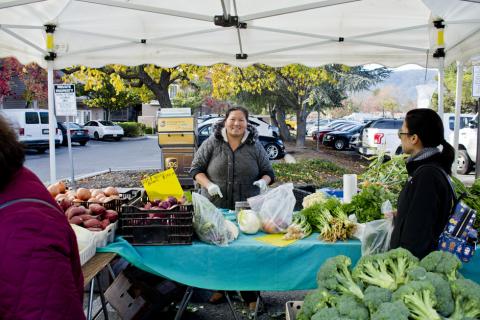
[(97, 156)]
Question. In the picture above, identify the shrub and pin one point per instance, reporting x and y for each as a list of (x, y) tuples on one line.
[(132, 129)]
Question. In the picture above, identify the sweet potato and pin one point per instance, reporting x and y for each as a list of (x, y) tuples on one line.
[(111, 215), (105, 223), (76, 220), (97, 209), (92, 223), (65, 204), (86, 217), (74, 211)]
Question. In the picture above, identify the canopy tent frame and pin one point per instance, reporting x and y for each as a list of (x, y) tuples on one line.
[(227, 22)]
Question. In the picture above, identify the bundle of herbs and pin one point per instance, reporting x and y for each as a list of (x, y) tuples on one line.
[(367, 204), (330, 220)]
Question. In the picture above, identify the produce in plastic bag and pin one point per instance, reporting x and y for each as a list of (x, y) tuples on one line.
[(209, 223), (248, 221), (376, 234), (275, 208)]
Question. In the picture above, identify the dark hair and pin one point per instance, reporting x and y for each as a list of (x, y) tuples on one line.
[(12, 153), (428, 126), (237, 108)]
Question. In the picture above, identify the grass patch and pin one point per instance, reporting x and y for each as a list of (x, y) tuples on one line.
[(316, 171)]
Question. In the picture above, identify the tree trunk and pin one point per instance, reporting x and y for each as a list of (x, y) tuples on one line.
[(284, 132), (301, 126), (159, 89)]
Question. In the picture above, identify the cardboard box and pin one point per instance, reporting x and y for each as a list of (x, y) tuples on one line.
[(122, 298)]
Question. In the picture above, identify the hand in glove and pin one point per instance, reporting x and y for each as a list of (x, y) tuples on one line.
[(214, 190), (261, 184)]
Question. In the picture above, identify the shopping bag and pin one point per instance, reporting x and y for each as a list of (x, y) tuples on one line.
[(275, 208)]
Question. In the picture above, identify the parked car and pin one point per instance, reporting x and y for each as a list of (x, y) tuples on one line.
[(263, 128), (101, 129), (381, 135), (314, 125), (31, 126), (340, 139), (273, 145), (77, 133), (467, 146), (337, 125)]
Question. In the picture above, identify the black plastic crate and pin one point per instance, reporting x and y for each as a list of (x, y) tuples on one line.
[(115, 204), (156, 227), (301, 192)]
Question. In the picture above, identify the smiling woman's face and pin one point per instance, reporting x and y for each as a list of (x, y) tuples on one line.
[(236, 123)]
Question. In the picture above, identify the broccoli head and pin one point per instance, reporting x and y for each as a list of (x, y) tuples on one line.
[(328, 314), (419, 298), (313, 302), (391, 311), (373, 270), (335, 275), (349, 307), (399, 261), (443, 293), (442, 262), (467, 299), (375, 296)]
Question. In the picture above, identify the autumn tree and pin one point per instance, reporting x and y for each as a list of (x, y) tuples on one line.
[(150, 81), (9, 67), (36, 84), (295, 87)]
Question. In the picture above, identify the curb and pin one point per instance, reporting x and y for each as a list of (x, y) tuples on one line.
[(135, 138)]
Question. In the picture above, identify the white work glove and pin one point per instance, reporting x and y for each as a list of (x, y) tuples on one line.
[(214, 190), (261, 184)]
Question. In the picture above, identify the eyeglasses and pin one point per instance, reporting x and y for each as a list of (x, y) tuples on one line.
[(400, 133)]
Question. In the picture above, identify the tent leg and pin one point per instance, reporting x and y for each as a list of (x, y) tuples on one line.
[(441, 87), (458, 107), (51, 123)]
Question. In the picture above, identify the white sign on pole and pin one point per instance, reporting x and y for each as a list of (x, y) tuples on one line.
[(65, 100), (476, 82)]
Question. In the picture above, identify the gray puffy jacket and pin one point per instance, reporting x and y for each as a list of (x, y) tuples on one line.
[(233, 171)]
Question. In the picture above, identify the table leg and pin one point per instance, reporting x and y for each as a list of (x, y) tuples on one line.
[(184, 303), (102, 298), (256, 308), (90, 300), (230, 305)]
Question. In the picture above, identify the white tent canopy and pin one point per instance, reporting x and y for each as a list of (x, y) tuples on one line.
[(274, 32), (239, 32)]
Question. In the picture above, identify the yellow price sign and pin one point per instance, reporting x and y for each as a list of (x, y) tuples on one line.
[(162, 185)]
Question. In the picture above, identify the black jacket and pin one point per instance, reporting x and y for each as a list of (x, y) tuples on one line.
[(233, 171), (424, 207)]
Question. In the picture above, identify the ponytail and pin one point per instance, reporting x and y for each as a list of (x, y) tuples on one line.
[(447, 156)]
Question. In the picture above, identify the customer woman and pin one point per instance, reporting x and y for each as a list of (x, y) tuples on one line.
[(427, 199), (40, 273), (231, 165)]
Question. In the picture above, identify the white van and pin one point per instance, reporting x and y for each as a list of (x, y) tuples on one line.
[(31, 126)]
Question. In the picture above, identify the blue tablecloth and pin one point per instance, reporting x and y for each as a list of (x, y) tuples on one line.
[(246, 264)]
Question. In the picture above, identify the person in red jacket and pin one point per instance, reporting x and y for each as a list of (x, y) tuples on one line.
[(40, 272)]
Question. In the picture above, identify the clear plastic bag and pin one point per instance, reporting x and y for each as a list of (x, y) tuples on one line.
[(376, 235), (209, 223), (275, 208)]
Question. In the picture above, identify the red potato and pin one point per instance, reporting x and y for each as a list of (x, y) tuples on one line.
[(97, 209), (92, 223), (76, 220), (111, 215), (74, 211)]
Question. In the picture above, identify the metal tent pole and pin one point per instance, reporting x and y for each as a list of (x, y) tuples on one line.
[(458, 107)]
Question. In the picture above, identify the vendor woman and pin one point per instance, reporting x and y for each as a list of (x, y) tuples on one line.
[(232, 166)]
